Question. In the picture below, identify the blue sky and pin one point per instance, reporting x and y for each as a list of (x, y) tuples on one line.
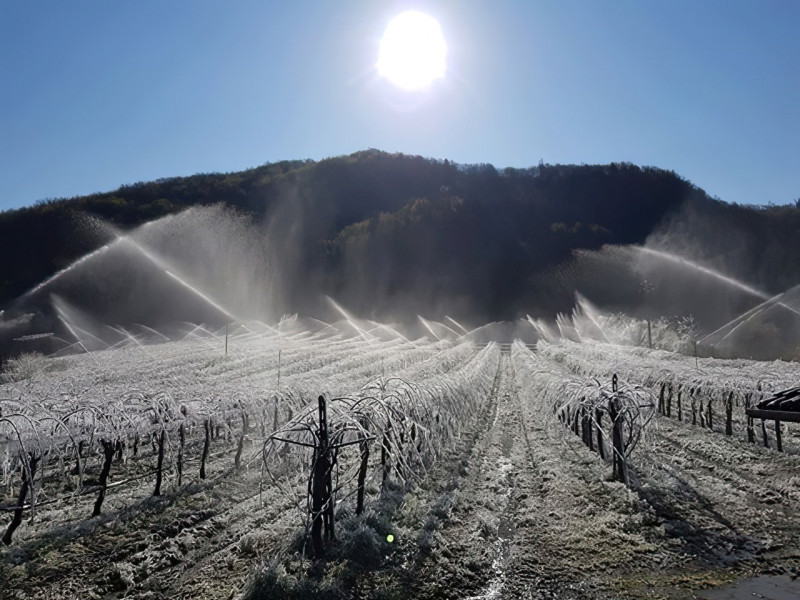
[(98, 94)]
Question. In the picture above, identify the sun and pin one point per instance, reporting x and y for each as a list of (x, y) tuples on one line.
[(412, 51)]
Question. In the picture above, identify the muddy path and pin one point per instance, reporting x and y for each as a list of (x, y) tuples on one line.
[(499, 518), (523, 510)]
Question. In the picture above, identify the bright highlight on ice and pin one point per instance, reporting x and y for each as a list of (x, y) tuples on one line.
[(412, 51)]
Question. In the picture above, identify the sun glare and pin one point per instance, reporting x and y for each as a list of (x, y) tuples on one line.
[(412, 51)]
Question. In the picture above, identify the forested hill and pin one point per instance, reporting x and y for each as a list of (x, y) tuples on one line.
[(380, 230)]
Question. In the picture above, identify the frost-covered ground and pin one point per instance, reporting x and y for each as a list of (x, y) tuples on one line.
[(506, 503)]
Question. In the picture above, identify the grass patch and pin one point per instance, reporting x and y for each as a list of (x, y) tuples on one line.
[(274, 582), (361, 547)]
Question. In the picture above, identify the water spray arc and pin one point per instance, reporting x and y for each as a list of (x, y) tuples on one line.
[(447, 329), (350, 320), (192, 249), (747, 316), (679, 260), (584, 310), (429, 328), (457, 324)]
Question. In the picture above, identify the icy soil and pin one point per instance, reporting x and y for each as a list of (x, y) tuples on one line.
[(517, 507)]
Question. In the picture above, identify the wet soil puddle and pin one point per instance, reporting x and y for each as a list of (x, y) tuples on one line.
[(505, 532), (768, 587)]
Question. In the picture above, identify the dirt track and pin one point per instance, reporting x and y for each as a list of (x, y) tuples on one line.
[(518, 509), (523, 510)]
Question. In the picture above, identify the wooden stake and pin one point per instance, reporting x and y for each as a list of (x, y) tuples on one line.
[(618, 460), (181, 439), (669, 402), (108, 454), (362, 471), (33, 461), (240, 445), (708, 418), (598, 416), (321, 486), (729, 415), (207, 428), (159, 464)]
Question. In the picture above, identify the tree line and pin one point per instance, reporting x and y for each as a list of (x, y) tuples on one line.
[(387, 232)]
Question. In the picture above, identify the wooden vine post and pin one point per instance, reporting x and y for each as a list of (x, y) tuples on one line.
[(160, 464), (181, 442), (33, 461), (78, 469), (669, 401), (598, 416), (108, 456), (751, 432), (729, 414), (208, 427), (321, 488), (385, 454), (362, 470), (240, 446), (618, 459), (586, 424)]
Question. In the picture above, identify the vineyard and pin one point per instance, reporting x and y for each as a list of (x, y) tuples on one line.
[(307, 461)]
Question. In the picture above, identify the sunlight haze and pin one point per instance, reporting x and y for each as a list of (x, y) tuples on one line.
[(412, 51)]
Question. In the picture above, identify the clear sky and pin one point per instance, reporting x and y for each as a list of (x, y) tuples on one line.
[(97, 94)]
